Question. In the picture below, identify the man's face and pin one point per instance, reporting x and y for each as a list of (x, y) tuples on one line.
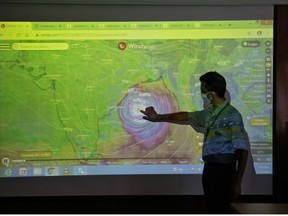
[(206, 96), (209, 94)]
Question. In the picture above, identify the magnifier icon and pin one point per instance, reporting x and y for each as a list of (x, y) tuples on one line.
[(5, 161)]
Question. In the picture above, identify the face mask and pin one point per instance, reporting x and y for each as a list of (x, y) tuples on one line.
[(206, 101), (204, 96)]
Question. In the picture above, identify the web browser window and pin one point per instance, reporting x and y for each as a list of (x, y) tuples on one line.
[(71, 94)]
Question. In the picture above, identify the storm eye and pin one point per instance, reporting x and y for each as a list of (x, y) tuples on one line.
[(146, 133)]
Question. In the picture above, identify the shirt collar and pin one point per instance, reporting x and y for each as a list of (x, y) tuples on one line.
[(217, 110)]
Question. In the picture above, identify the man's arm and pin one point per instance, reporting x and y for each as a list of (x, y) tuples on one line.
[(179, 117)]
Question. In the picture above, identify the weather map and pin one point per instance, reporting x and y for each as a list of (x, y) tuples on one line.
[(80, 104)]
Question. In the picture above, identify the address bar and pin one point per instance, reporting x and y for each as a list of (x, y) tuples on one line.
[(159, 34)]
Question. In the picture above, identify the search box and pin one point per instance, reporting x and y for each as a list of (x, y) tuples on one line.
[(40, 46)]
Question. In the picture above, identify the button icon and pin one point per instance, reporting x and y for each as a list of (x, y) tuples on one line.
[(122, 45), (5, 161), (66, 171), (8, 172), (81, 170), (22, 171), (52, 171), (37, 171)]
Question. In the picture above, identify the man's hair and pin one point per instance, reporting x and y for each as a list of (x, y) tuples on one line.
[(214, 82)]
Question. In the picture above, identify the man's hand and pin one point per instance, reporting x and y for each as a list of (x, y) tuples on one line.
[(236, 191), (150, 114)]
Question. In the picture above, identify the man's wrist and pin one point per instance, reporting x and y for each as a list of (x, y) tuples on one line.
[(160, 117)]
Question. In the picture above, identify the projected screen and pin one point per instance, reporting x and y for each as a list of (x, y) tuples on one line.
[(71, 94)]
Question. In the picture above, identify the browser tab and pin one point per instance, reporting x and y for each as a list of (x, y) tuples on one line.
[(48, 25)]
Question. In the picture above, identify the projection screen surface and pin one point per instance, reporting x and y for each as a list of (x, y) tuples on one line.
[(72, 91)]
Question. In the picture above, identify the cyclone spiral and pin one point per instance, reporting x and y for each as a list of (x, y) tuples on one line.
[(147, 134)]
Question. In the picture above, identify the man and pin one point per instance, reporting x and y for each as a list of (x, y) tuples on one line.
[(225, 146)]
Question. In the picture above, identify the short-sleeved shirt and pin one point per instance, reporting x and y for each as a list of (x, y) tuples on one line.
[(224, 130)]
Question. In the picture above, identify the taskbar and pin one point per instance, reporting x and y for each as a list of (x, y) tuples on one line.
[(261, 168), (99, 170)]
